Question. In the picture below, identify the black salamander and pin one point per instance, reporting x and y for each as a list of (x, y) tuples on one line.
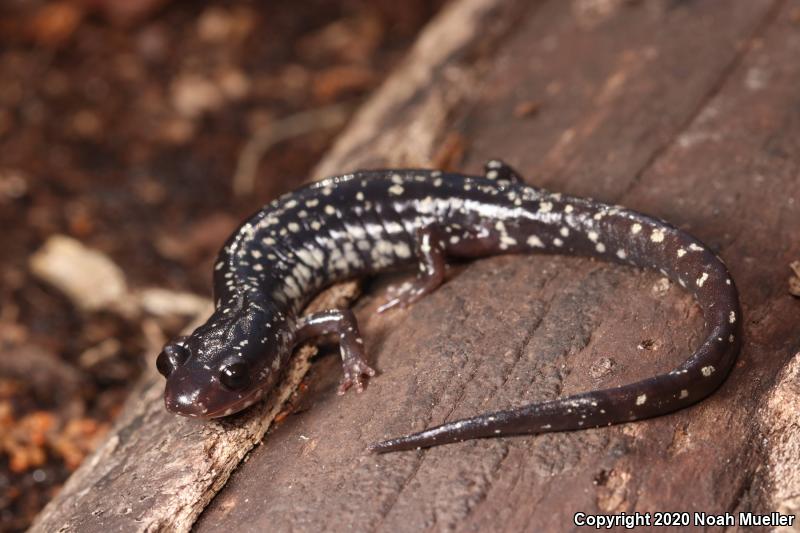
[(368, 222)]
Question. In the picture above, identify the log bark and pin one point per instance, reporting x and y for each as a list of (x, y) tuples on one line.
[(684, 110)]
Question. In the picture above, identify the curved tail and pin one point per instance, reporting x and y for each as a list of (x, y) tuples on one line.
[(648, 243)]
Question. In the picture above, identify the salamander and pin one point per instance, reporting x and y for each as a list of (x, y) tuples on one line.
[(368, 222)]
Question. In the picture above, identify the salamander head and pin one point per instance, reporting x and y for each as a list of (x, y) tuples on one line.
[(224, 366)]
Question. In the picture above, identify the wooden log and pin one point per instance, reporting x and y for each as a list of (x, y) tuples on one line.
[(683, 110), (680, 110)]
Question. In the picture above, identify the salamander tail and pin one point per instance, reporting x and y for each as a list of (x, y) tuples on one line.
[(444, 434)]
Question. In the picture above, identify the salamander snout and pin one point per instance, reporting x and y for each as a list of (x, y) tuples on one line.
[(183, 396)]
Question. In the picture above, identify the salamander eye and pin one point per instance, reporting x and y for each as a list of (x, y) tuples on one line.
[(170, 358), (235, 376)]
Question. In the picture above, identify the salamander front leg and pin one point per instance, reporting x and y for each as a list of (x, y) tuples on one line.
[(430, 250), (351, 346)]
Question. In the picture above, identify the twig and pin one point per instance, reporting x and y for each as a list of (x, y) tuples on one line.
[(323, 118)]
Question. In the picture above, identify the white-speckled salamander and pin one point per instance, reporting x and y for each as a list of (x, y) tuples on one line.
[(367, 222)]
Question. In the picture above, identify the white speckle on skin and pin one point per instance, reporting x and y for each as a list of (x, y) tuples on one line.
[(330, 210), (600, 247), (402, 250), (545, 207), (636, 228), (564, 231), (535, 242), (425, 245), (558, 242), (355, 231), (641, 399), (427, 205), (657, 235), (396, 190), (732, 317), (702, 279), (506, 241), (360, 196), (695, 248), (707, 370), (313, 202), (622, 254), (393, 227), (219, 266), (568, 208), (592, 236), (684, 394), (492, 174), (294, 227), (731, 338), (681, 252)]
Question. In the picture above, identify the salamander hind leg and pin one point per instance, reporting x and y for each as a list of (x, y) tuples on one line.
[(500, 171), (431, 252), (351, 346)]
